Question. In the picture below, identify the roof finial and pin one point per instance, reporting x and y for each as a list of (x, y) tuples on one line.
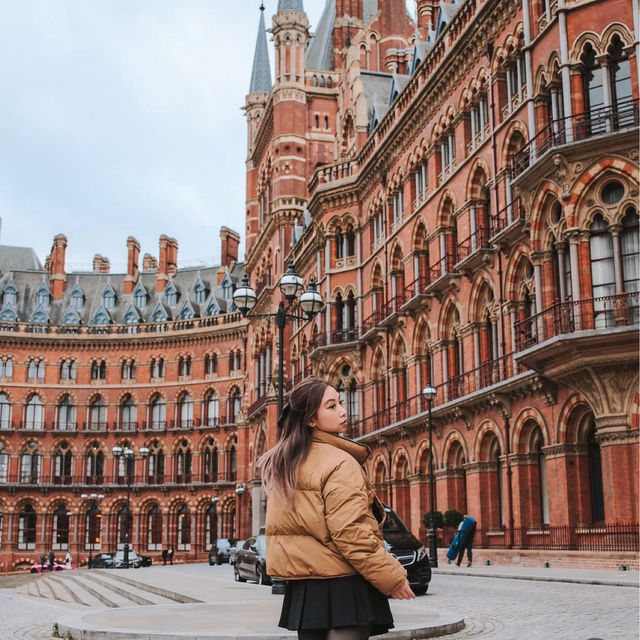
[(262, 6)]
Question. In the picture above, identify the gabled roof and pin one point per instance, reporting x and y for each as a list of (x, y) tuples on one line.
[(131, 315), (40, 315), (377, 113), (447, 11), (421, 50), (261, 72), (186, 310), (71, 316), (320, 51), (398, 84), (101, 316), (8, 314), (160, 313)]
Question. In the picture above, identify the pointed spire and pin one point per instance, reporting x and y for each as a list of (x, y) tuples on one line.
[(286, 5), (261, 73)]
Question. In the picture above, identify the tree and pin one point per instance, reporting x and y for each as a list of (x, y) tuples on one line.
[(452, 518), (437, 519)]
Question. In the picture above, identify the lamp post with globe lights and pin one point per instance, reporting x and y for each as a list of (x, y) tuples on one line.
[(429, 393), (291, 286), (129, 459)]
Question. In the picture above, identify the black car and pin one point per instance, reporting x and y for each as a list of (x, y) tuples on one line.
[(146, 561), (250, 561), (220, 551), (402, 544), (103, 561)]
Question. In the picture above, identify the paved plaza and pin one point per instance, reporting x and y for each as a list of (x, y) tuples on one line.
[(191, 601)]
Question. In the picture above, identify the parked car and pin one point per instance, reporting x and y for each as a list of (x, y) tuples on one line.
[(145, 561), (39, 568), (411, 553), (103, 561), (234, 552), (220, 552), (135, 560), (250, 561)]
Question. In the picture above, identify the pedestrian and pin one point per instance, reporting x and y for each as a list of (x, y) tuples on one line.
[(43, 562), (67, 559), (170, 554), (165, 553), (463, 541), (323, 524), (52, 559)]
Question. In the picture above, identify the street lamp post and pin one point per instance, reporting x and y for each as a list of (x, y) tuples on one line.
[(129, 457), (429, 394), (94, 499), (291, 285)]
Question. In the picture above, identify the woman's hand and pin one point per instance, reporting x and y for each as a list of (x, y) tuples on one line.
[(403, 592)]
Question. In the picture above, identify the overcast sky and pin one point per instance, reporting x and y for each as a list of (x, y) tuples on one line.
[(122, 117)]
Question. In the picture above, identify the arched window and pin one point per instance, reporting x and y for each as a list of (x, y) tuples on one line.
[(66, 414), (34, 416), (595, 475), (4, 465), (350, 240), (93, 528), (541, 467), (339, 312), (95, 465), (98, 370), (211, 364), (5, 412), (35, 370), (184, 366), (212, 410), (140, 297), (183, 464), (352, 402), (602, 272), (158, 413), (238, 360), (97, 414), (30, 469), (339, 244), (185, 411), (128, 370), (235, 405), (184, 528), (128, 414), (497, 512), (211, 526), (350, 316), (60, 529), (630, 250), (157, 368), (620, 78), (211, 462), (123, 525), (232, 463), (154, 529), (593, 89), (27, 521), (6, 368), (63, 465), (155, 464)]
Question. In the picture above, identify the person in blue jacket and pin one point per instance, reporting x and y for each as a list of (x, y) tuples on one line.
[(463, 540)]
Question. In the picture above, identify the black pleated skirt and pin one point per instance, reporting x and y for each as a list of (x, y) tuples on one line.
[(331, 603)]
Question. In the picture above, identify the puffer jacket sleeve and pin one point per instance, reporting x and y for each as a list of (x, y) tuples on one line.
[(353, 527)]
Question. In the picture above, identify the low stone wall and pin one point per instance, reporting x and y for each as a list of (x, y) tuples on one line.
[(569, 559)]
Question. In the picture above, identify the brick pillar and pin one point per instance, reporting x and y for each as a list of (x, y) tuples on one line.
[(56, 265), (133, 256)]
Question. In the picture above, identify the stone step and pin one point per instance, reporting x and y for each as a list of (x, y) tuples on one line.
[(73, 593), (149, 588), (134, 594), (84, 589)]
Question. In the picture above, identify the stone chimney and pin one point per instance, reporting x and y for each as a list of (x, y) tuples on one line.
[(55, 265), (172, 256), (162, 276), (101, 264), (230, 241), (149, 262), (427, 11), (133, 257)]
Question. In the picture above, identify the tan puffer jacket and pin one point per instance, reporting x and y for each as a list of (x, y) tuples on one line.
[(330, 531)]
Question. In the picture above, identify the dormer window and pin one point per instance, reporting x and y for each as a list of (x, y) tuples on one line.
[(140, 297), (171, 295), (77, 298), (227, 289), (109, 297), (199, 292), (43, 296), (10, 295)]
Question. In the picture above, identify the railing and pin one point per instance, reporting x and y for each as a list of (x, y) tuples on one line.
[(479, 239), (418, 286), (585, 537), (332, 172), (115, 329), (574, 128), (441, 268), (340, 336), (372, 321), (513, 212), (567, 317), (102, 480), (485, 375)]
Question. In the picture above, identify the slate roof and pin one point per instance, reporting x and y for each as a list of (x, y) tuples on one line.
[(18, 258), (286, 5), (261, 72), (320, 51)]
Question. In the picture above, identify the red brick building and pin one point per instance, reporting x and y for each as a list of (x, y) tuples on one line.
[(464, 192)]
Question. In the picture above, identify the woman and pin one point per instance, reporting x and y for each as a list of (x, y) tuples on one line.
[(323, 524)]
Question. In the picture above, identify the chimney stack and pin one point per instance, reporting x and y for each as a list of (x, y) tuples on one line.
[(101, 264), (133, 257), (172, 256), (162, 276), (149, 262), (55, 265), (426, 17), (230, 241)]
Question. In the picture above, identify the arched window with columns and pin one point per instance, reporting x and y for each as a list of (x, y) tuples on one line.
[(27, 522), (154, 528), (60, 528), (183, 526)]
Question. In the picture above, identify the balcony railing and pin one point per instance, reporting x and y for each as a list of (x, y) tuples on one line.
[(574, 128), (567, 317), (511, 214), (469, 382), (340, 336), (479, 239)]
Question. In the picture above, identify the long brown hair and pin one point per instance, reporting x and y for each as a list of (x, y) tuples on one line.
[(280, 464)]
